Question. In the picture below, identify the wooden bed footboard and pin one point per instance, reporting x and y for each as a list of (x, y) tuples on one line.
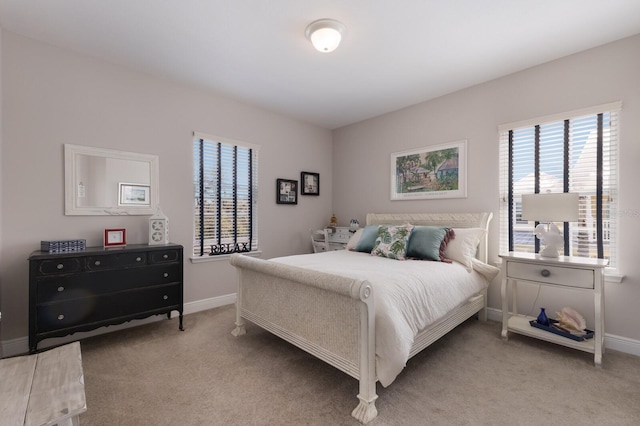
[(328, 316)]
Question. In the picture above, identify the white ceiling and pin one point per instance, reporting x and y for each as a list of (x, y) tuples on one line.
[(395, 53)]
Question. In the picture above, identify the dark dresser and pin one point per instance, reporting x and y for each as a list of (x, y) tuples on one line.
[(84, 290)]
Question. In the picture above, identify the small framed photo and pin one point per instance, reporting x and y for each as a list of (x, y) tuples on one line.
[(310, 183), (115, 237), (132, 194), (286, 191)]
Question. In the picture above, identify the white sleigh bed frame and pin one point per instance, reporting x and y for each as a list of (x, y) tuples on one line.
[(332, 317)]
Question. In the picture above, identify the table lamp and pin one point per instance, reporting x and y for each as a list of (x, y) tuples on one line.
[(548, 208)]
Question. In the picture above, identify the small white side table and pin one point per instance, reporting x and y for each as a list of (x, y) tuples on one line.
[(578, 273)]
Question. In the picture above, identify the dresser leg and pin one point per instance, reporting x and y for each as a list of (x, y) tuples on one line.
[(180, 317)]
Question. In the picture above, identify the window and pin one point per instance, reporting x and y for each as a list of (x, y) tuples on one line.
[(573, 152), (225, 187)]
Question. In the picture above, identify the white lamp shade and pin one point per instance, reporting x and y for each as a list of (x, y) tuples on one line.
[(325, 34), (562, 207)]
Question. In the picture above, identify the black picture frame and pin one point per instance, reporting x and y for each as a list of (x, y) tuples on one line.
[(310, 183), (286, 191)]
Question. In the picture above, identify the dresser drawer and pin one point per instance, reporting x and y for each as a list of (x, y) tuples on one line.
[(165, 256), (339, 235), (58, 266), (111, 261), (102, 282), (557, 275), (136, 303)]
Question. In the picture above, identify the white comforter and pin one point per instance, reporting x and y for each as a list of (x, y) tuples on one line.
[(408, 296)]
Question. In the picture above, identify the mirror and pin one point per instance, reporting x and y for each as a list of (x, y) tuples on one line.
[(107, 182)]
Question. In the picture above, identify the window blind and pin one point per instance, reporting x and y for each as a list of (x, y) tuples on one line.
[(572, 152), (225, 182)]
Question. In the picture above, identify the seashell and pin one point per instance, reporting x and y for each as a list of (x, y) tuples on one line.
[(570, 318)]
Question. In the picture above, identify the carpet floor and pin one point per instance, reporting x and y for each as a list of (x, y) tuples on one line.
[(155, 374)]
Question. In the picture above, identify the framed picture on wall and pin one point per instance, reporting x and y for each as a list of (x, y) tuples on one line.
[(310, 183), (286, 191), (432, 172)]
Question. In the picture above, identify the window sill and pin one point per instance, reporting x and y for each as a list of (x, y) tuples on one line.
[(221, 257)]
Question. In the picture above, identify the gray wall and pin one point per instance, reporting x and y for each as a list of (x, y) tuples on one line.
[(53, 96), (361, 157)]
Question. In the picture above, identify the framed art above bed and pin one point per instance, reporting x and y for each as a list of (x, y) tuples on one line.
[(432, 172)]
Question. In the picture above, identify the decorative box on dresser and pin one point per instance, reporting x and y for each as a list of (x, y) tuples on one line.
[(576, 273), (83, 290)]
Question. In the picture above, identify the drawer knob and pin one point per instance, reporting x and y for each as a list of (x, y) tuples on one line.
[(165, 256), (61, 288), (97, 263), (60, 317), (166, 274), (545, 273), (60, 266), (165, 297), (138, 259)]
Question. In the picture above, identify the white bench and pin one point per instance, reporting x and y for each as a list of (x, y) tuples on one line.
[(43, 389)]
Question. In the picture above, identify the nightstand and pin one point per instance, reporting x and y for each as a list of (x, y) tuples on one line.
[(576, 273)]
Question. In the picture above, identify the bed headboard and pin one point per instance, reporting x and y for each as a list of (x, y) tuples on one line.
[(454, 220)]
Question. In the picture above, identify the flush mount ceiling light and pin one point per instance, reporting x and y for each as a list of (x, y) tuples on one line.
[(325, 34)]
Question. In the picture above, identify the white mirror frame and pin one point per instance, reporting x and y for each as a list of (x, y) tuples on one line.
[(71, 206)]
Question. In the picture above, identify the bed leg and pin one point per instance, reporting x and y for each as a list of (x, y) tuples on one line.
[(239, 330), (240, 324), (482, 313), (366, 410)]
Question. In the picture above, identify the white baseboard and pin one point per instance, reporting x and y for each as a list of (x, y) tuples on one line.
[(20, 345), (611, 341)]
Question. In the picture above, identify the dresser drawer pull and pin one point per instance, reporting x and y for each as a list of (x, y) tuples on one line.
[(60, 266), (166, 274), (165, 297), (61, 288), (60, 317), (97, 263), (138, 259), (165, 256), (545, 273)]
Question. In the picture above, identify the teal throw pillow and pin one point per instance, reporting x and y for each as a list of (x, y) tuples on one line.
[(425, 242), (367, 239)]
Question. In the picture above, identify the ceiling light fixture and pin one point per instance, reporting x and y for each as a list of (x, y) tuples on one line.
[(325, 34)]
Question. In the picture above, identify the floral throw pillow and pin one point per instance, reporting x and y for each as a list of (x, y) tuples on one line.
[(392, 241)]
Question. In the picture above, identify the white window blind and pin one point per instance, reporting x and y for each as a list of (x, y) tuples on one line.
[(572, 152), (225, 188)]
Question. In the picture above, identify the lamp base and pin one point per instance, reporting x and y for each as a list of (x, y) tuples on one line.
[(549, 251), (551, 237)]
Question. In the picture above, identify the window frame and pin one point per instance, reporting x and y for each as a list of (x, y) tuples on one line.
[(199, 239), (508, 209)]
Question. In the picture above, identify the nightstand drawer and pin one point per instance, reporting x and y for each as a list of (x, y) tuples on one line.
[(558, 275)]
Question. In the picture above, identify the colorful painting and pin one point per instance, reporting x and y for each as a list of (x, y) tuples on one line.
[(437, 171)]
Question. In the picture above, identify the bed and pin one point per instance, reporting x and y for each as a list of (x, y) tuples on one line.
[(335, 311)]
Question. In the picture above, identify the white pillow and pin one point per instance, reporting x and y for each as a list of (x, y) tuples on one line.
[(484, 269), (462, 248), (353, 241)]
